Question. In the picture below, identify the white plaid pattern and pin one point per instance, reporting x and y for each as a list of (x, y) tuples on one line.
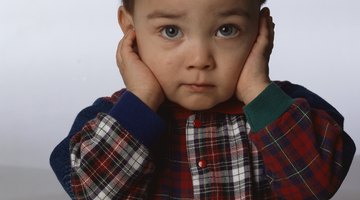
[(233, 176), (109, 139)]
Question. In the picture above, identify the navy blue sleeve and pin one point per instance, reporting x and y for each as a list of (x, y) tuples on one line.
[(60, 156), (137, 118)]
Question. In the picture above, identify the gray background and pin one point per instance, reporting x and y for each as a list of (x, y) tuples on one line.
[(57, 57)]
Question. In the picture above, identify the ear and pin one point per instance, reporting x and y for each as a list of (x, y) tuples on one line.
[(125, 19)]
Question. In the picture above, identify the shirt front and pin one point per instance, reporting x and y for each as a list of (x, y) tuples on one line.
[(208, 155)]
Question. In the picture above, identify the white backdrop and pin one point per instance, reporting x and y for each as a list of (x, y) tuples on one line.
[(58, 56)]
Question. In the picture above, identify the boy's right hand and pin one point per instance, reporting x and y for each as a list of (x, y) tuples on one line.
[(136, 75)]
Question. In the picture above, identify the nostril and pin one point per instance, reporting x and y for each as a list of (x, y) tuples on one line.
[(207, 67)]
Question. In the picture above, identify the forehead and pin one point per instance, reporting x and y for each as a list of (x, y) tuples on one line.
[(151, 8)]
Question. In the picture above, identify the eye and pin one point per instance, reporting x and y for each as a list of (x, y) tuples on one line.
[(171, 32), (227, 31)]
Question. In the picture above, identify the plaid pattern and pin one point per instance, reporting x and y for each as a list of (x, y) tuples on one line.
[(299, 157), (223, 143), (111, 161), (302, 152)]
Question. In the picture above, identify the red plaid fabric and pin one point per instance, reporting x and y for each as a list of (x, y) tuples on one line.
[(211, 155), (302, 152), (106, 161)]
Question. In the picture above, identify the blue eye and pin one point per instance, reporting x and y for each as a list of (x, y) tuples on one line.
[(227, 31), (171, 32)]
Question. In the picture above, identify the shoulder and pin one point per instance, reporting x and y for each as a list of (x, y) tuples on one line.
[(101, 105), (314, 100)]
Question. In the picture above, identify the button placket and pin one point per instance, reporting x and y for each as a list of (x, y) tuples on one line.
[(200, 162)]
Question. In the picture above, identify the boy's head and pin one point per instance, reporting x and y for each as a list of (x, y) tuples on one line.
[(195, 49)]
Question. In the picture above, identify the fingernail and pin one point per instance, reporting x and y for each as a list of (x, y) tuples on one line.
[(267, 11)]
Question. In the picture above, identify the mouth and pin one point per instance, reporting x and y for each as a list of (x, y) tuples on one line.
[(199, 87)]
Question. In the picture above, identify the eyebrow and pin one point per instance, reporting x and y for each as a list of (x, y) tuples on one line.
[(175, 15), (235, 11), (163, 14)]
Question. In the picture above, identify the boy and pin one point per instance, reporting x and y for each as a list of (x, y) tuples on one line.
[(200, 118)]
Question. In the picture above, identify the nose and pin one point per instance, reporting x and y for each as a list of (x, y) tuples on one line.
[(200, 55)]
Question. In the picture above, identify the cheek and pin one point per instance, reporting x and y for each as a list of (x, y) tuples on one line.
[(149, 54), (233, 60), (156, 56), (162, 63), (235, 51)]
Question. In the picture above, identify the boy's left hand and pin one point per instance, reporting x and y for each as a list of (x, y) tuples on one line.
[(254, 77)]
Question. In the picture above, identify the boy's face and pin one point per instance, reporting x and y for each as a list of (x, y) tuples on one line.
[(196, 49)]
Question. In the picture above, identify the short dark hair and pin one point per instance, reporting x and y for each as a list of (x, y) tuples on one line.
[(129, 5)]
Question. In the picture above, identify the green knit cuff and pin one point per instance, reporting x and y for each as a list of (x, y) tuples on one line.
[(267, 107)]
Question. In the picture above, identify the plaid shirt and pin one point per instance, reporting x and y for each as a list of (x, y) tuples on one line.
[(276, 147)]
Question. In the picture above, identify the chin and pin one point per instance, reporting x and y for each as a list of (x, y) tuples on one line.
[(197, 106), (198, 102)]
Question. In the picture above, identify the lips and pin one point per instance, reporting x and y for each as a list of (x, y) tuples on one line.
[(199, 87)]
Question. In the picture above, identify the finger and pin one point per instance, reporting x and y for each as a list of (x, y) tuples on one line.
[(124, 51), (264, 31), (265, 38), (127, 51), (118, 57), (271, 28)]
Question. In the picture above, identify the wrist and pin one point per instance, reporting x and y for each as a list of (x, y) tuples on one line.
[(152, 100), (248, 94), (138, 119), (267, 107)]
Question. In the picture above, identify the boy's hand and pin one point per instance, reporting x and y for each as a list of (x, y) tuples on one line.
[(254, 77), (137, 76)]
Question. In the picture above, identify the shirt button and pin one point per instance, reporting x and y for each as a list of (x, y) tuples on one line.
[(202, 164), (197, 123)]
